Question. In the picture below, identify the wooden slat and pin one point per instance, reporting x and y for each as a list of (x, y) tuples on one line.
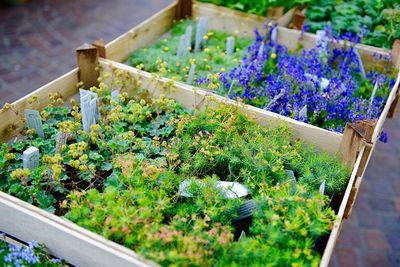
[(191, 97), (63, 238), (11, 124), (330, 246), (389, 102), (142, 35)]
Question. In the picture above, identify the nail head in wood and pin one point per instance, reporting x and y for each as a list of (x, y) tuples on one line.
[(184, 9), (88, 60)]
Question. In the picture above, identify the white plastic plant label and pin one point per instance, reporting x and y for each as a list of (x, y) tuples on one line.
[(30, 158), (229, 189), (230, 45), (34, 121)]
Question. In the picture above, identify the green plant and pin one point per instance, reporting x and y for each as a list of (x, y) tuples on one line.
[(122, 179), (256, 7), (380, 19)]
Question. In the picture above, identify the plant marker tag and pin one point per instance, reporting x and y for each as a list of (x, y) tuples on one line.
[(323, 82), (92, 114), (114, 96), (293, 180), (188, 38), (230, 45), (303, 113), (201, 32), (242, 235), (30, 158), (84, 92), (359, 61), (322, 188), (230, 87), (182, 48), (229, 189), (260, 51), (274, 35), (372, 97), (321, 43), (89, 108), (85, 110), (232, 189), (246, 210), (34, 121), (61, 139), (191, 74)]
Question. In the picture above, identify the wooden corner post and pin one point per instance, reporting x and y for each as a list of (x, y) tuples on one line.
[(183, 9), (355, 137), (88, 59), (101, 47)]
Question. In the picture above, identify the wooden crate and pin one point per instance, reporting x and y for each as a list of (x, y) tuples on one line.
[(228, 20), (84, 248)]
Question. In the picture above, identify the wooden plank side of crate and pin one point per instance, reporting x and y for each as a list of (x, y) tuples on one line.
[(389, 102), (11, 122), (142, 35), (191, 97), (330, 246), (63, 238), (228, 20)]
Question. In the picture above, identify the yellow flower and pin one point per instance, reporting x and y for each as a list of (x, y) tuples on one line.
[(7, 106), (166, 48), (205, 37), (223, 70), (273, 55), (10, 156), (206, 49)]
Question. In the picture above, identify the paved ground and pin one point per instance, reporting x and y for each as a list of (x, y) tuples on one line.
[(37, 44)]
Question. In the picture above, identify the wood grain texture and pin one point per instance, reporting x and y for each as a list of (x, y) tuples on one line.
[(11, 120), (87, 57), (183, 9), (142, 35)]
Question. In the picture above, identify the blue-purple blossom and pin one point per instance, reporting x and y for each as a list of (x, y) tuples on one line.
[(327, 79)]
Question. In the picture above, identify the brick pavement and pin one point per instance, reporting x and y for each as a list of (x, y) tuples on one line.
[(37, 44)]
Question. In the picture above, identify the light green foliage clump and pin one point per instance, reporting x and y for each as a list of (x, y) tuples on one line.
[(122, 180), (161, 57)]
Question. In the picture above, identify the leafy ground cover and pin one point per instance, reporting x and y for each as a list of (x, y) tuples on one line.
[(31, 255), (123, 180), (256, 7), (326, 86), (372, 18)]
